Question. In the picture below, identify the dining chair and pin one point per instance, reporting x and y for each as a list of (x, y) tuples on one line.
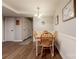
[(55, 35), (47, 41)]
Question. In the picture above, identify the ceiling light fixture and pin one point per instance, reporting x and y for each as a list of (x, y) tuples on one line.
[(37, 13)]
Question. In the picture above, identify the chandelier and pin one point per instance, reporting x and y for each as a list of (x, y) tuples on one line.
[(37, 13)]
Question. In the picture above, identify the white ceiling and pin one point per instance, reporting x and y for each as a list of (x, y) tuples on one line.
[(29, 7)]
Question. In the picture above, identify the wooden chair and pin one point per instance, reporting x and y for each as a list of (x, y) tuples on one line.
[(55, 35), (47, 41)]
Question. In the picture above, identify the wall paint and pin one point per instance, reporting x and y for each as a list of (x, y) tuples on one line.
[(69, 26), (27, 28), (66, 34), (39, 26), (9, 29), (18, 33), (22, 31), (3, 29)]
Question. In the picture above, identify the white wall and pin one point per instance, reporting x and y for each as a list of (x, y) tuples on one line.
[(66, 46), (9, 29), (27, 28), (18, 33), (66, 34), (38, 26), (3, 29), (22, 31)]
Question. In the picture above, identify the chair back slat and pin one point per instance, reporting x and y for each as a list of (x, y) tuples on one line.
[(47, 38)]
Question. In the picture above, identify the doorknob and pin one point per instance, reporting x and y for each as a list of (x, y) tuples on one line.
[(11, 30)]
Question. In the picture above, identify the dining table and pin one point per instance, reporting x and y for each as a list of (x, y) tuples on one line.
[(38, 43)]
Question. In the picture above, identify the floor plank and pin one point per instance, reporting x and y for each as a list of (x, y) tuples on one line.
[(13, 50)]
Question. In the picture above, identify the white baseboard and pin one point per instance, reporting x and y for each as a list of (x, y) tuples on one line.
[(27, 36), (13, 40), (17, 40), (61, 53)]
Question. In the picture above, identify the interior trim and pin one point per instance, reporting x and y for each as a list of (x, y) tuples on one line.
[(14, 10), (10, 8)]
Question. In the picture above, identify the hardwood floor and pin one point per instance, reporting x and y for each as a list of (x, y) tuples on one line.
[(12, 50)]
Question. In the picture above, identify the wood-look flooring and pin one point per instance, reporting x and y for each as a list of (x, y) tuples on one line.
[(12, 50)]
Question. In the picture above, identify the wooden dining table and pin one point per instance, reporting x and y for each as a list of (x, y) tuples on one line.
[(38, 43)]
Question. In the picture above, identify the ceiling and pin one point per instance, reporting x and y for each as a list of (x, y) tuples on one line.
[(28, 8)]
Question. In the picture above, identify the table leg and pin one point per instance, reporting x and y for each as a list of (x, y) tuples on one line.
[(36, 48), (52, 51)]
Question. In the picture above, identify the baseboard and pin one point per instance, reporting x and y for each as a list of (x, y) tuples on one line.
[(64, 41), (3, 40), (13, 40), (60, 52), (18, 40), (27, 37)]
